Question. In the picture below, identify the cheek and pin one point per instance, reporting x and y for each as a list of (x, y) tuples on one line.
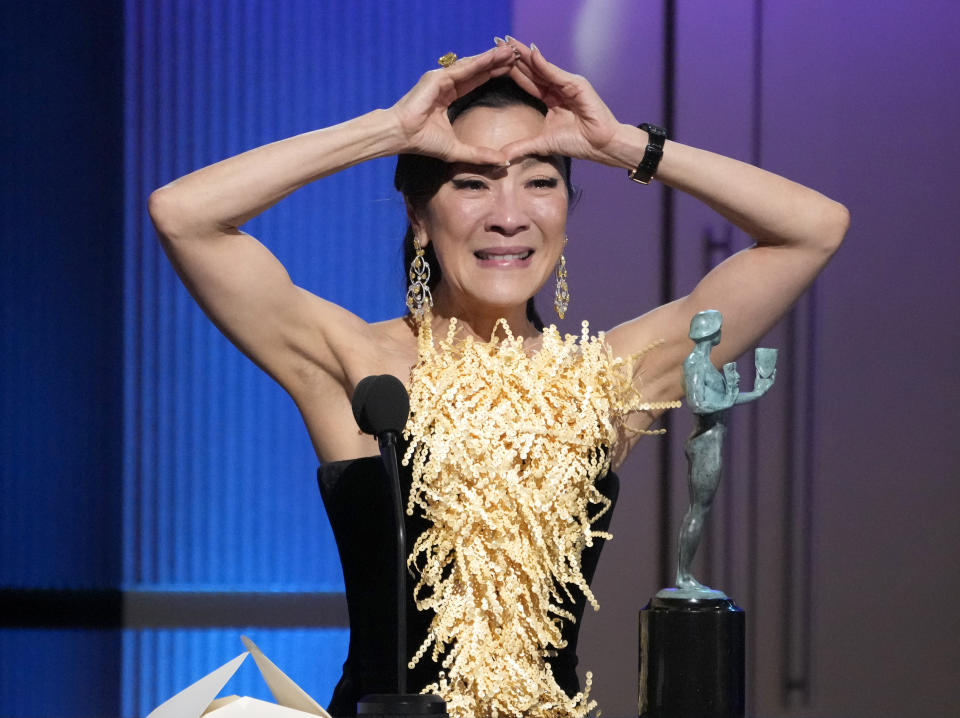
[(453, 218), (552, 215)]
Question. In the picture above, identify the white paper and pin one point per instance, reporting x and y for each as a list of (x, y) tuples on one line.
[(193, 700), (247, 707), (198, 699), (285, 691)]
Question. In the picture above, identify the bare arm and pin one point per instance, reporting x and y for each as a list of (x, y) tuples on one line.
[(795, 228), (239, 283)]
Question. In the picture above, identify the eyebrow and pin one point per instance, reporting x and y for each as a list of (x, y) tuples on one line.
[(528, 161), (534, 160)]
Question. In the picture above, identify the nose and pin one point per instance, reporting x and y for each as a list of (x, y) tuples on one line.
[(507, 214)]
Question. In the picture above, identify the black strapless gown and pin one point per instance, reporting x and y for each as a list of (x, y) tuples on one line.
[(357, 501)]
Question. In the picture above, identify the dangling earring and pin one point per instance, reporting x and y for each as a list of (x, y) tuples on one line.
[(561, 297), (419, 299)]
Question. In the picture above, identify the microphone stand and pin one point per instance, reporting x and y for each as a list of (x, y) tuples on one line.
[(388, 453), (381, 405)]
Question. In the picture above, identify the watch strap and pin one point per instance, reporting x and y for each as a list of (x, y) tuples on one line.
[(652, 154)]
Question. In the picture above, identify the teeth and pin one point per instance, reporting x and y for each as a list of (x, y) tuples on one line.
[(491, 255)]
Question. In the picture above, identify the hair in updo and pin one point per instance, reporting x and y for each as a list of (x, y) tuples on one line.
[(419, 177)]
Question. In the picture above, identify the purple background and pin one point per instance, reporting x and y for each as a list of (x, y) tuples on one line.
[(858, 100)]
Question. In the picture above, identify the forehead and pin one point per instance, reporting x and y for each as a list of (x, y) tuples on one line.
[(497, 126)]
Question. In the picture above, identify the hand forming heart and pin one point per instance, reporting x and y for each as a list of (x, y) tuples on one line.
[(577, 124)]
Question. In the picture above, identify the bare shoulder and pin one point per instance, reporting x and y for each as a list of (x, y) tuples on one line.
[(661, 337), (396, 341), (324, 399)]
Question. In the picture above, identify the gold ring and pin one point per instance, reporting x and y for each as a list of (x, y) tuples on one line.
[(447, 60)]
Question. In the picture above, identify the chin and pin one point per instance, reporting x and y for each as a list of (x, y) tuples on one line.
[(504, 303), (508, 294)]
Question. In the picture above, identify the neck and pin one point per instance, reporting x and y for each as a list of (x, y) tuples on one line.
[(479, 321)]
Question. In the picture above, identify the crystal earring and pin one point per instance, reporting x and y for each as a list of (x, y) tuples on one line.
[(561, 297), (419, 299)]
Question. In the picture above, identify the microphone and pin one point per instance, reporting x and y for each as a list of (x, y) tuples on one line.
[(381, 406)]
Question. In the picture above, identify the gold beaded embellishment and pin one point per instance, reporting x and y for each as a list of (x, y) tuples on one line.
[(505, 448)]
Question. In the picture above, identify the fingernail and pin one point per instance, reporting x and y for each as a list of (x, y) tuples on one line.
[(535, 48), (511, 39), (498, 40)]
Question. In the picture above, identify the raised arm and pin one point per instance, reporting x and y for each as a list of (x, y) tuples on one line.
[(238, 282), (796, 229)]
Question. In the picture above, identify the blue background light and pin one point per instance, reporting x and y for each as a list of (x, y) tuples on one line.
[(141, 451)]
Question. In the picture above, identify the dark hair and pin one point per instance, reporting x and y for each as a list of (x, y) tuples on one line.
[(418, 177)]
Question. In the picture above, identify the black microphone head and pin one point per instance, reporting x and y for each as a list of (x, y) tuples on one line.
[(359, 403), (381, 404)]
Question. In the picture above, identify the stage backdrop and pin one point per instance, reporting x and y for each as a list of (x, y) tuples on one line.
[(178, 505), (219, 489), (156, 492)]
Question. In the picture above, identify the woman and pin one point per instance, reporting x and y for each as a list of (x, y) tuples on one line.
[(492, 215)]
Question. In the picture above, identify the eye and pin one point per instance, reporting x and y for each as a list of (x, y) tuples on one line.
[(469, 183), (544, 182)]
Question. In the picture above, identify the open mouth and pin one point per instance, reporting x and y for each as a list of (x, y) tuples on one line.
[(500, 255)]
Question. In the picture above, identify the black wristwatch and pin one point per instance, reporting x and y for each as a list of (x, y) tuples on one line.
[(651, 155)]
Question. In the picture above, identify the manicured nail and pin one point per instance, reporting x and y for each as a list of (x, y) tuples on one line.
[(511, 39), (498, 40), (534, 48)]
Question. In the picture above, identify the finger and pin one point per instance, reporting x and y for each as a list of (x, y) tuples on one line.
[(464, 67), (518, 47), (543, 73), (532, 61), (521, 67), (525, 83), (546, 70), (535, 146), (495, 55), (522, 54), (473, 155), (464, 74), (470, 72), (526, 78)]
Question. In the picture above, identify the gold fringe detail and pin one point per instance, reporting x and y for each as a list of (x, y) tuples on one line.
[(506, 447)]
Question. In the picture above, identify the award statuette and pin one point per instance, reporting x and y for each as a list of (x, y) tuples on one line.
[(692, 636)]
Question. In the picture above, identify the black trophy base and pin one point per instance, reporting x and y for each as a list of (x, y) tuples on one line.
[(691, 659), (390, 705)]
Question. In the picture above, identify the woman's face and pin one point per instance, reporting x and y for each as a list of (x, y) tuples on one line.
[(497, 232)]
